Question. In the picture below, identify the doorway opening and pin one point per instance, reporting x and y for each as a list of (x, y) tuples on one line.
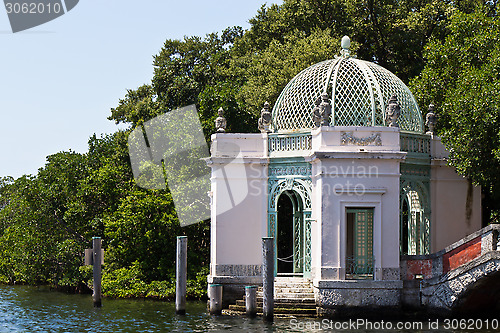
[(359, 250), (290, 235), (405, 224)]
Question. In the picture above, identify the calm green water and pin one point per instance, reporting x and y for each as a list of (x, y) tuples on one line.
[(29, 309)]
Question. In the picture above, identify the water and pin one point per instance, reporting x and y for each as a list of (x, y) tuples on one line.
[(30, 309)]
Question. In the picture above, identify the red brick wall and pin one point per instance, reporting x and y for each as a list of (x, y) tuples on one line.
[(462, 254), (415, 267)]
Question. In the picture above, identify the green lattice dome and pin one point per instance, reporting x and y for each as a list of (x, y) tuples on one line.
[(359, 91)]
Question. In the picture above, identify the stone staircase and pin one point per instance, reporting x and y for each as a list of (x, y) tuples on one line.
[(292, 297)]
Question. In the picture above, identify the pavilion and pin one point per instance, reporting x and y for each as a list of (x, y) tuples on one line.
[(345, 178)]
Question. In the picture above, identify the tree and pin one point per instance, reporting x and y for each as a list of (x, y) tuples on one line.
[(391, 33), (182, 70), (461, 78), (38, 244), (268, 71)]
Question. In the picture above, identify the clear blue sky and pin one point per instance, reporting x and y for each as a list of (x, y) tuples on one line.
[(59, 80)]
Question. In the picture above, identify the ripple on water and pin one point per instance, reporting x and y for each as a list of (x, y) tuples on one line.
[(30, 309)]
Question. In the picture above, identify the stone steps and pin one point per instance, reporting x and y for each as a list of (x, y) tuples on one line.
[(299, 297), (276, 315), (305, 304), (298, 289), (292, 289), (278, 310), (292, 296)]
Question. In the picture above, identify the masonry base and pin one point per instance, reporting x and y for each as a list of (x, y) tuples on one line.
[(233, 288)]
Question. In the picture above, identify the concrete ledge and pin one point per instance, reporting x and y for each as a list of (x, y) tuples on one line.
[(356, 155), (235, 279), (374, 313), (358, 284), (350, 294), (331, 273), (236, 270), (454, 245), (233, 288)]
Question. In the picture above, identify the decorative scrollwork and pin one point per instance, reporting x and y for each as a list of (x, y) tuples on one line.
[(272, 224), (289, 170), (348, 138)]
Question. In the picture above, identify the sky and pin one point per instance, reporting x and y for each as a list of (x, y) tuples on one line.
[(59, 80)]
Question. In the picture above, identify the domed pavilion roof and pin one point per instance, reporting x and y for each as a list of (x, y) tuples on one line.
[(359, 91)]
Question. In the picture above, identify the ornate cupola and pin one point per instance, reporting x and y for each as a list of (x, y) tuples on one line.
[(359, 90)]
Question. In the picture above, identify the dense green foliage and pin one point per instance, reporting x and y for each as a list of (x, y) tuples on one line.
[(448, 49), (461, 78), (48, 220)]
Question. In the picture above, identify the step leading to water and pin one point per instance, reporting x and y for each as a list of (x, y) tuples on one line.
[(292, 297)]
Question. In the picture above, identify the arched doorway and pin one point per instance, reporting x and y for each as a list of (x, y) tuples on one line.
[(414, 221), (289, 214), (404, 226), (290, 234)]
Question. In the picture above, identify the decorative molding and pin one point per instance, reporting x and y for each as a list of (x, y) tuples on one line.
[(301, 186), (348, 138), (414, 170), (289, 143), (360, 190), (290, 170)]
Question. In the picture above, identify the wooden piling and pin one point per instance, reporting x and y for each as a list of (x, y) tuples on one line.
[(181, 275), (215, 292), (96, 265), (251, 301), (268, 278)]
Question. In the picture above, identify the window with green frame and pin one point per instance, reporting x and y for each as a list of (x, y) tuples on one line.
[(359, 247)]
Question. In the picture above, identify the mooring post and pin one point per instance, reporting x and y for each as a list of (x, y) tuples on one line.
[(96, 264), (268, 278), (215, 292), (251, 301), (181, 275)]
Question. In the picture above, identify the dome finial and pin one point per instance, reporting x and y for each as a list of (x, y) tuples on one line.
[(345, 44)]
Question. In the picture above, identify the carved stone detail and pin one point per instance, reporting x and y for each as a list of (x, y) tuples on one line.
[(347, 138), (431, 119), (325, 110), (316, 115), (392, 112), (220, 122), (265, 119)]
